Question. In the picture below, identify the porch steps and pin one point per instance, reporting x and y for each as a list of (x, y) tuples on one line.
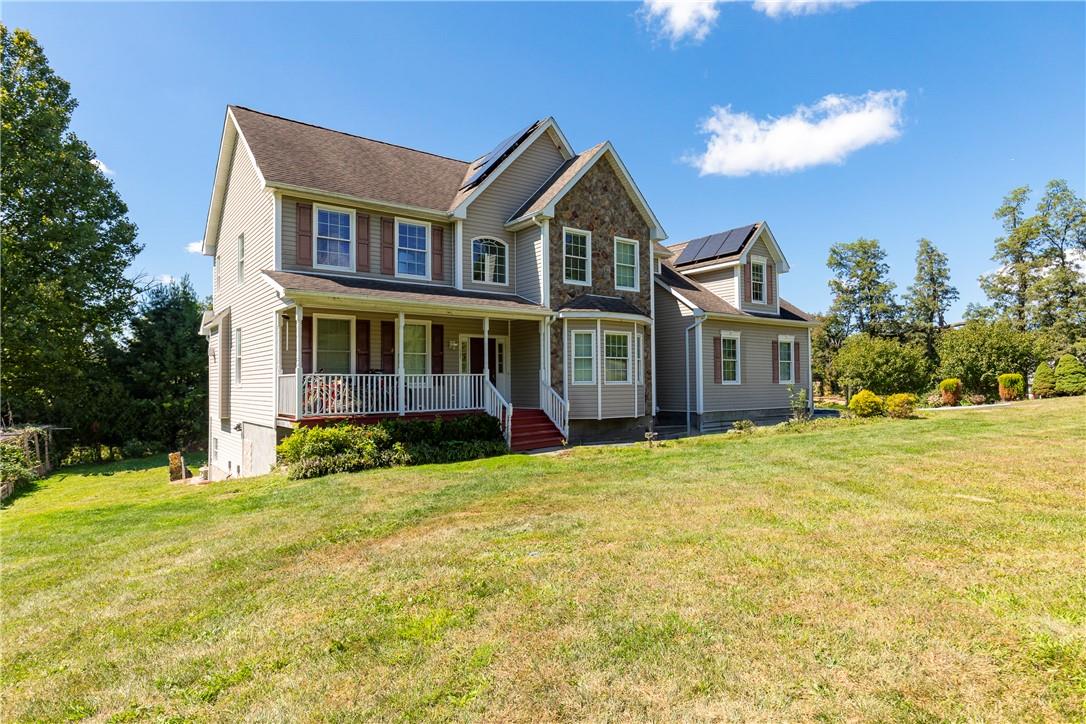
[(533, 430)]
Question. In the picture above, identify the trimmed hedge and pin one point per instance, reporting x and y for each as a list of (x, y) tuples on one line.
[(311, 452), (1011, 387), (901, 405), (951, 390), (1070, 376), (866, 403)]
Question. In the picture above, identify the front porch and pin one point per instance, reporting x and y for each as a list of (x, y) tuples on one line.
[(336, 363)]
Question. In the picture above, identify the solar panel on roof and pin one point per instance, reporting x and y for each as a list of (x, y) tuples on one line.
[(724, 243), (486, 163)]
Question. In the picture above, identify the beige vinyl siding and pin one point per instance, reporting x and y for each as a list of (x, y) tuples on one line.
[(524, 342), (756, 391), (672, 318), (760, 249), (720, 282), (248, 209), (290, 237), (487, 214), (606, 400), (528, 263)]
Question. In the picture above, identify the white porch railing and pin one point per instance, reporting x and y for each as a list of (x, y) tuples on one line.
[(555, 408), (497, 406), (335, 395)]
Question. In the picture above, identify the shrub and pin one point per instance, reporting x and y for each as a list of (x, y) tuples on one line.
[(901, 405), (973, 400), (951, 390), (866, 403), (743, 427), (980, 351), (463, 428), (1044, 381), (797, 400), (1011, 386), (1070, 376), (451, 451), (881, 365), (137, 449), (15, 467), (935, 399)]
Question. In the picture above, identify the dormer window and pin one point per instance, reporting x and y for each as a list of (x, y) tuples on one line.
[(757, 280), (489, 260)]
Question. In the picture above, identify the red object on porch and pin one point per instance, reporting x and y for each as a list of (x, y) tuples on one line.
[(533, 430)]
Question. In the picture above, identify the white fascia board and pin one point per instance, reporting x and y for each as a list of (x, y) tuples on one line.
[(712, 267), (461, 210), (752, 319), (383, 304), (218, 187), (592, 314), (772, 243)]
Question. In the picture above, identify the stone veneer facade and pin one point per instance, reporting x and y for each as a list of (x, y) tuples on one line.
[(600, 203)]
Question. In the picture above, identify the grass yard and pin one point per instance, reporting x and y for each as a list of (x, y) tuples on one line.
[(906, 570)]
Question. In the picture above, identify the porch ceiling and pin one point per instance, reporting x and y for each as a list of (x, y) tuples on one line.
[(380, 291)]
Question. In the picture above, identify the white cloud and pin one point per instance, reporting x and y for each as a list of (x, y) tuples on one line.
[(777, 8), (101, 165), (165, 279), (195, 247), (678, 20), (825, 132)]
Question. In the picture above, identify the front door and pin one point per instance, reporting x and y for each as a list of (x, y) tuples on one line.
[(472, 362)]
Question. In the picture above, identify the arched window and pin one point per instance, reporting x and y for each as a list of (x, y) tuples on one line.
[(489, 261)]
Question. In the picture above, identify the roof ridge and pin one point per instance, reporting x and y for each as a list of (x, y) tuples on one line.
[(351, 135)]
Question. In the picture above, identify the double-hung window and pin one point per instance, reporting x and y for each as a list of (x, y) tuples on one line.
[(729, 358), (639, 363), (488, 261), (584, 358), (786, 359), (416, 349), (241, 259), (334, 238), (412, 249), (237, 355), (757, 280), (577, 256), (616, 350), (626, 264)]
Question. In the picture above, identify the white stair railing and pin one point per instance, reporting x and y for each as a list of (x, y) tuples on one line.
[(555, 408), (497, 406)]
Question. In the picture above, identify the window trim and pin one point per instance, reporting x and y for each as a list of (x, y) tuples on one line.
[(639, 350), (316, 348), (762, 262), (588, 256), (791, 340), (731, 334), (241, 259), (472, 260), (351, 242), (429, 252), (235, 342), (407, 322), (629, 348), (637, 263), (573, 356)]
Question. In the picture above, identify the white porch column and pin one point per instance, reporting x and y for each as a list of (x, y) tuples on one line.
[(565, 361), (544, 368), (298, 375), (401, 386), (600, 369), (486, 348)]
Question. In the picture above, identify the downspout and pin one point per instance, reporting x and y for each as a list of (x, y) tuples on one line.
[(686, 363)]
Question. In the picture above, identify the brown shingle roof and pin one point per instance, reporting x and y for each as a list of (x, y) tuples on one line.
[(546, 193), (398, 291), (298, 154), (707, 301)]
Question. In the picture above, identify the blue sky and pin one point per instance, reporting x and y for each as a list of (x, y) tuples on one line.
[(942, 107)]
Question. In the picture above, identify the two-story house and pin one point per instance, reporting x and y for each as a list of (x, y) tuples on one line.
[(357, 279), (734, 347)]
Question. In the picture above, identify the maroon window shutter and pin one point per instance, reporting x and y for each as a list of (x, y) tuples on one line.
[(437, 349), (303, 236), (770, 285), (746, 283), (388, 247), (361, 346), (362, 246), (437, 258), (307, 345), (718, 362), (388, 347), (775, 359)]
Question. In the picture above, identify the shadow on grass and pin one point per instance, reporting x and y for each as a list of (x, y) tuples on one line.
[(20, 490), (162, 460)]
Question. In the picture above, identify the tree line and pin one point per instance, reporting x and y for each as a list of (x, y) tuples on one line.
[(1036, 310), (84, 345)]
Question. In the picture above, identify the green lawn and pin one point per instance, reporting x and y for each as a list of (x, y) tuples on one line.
[(920, 569)]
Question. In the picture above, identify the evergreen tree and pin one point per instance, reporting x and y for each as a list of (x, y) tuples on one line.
[(1058, 291), (1070, 376), (1016, 253), (65, 243), (931, 294), (1044, 381), (863, 296)]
